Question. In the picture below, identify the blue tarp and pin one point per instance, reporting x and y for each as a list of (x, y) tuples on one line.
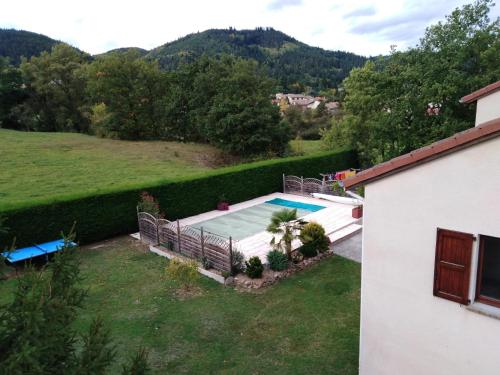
[(34, 251), (293, 204)]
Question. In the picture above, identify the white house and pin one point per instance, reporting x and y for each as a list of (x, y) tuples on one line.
[(488, 99), (430, 290)]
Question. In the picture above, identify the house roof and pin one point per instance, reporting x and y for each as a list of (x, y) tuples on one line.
[(303, 102), (473, 96), (454, 143)]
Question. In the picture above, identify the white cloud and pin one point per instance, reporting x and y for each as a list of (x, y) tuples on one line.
[(366, 27)]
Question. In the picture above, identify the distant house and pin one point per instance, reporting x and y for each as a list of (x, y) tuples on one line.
[(302, 101), (430, 289), (333, 107)]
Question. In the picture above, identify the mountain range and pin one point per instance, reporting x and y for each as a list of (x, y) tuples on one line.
[(293, 64)]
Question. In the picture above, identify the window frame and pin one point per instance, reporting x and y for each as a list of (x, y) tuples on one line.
[(478, 296)]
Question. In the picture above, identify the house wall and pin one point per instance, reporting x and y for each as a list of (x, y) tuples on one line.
[(488, 108), (404, 328)]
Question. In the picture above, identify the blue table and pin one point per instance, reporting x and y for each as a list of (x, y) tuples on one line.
[(34, 251)]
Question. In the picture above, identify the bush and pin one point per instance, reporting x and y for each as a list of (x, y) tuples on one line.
[(277, 260), (313, 239), (206, 263), (308, 250), (111, 213), (254, 268), (185, 273), (149, 204), (238, 262)]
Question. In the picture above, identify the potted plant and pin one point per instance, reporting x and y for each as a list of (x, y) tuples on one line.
[(357, 212), (223, 204)]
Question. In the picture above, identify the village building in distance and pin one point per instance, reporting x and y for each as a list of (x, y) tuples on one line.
[(305, 102)]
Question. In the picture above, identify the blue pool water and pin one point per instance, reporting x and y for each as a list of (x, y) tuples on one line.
[(293, 204)]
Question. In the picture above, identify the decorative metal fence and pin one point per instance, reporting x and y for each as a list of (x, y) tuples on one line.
[(192, 242), (307, 186)]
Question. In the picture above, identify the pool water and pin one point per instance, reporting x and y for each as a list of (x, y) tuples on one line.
[(252, 220)]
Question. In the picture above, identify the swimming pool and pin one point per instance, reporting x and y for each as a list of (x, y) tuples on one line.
[(252, 220)]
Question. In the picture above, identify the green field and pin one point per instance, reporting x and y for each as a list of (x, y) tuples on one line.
[(306, 324), (36, 166)]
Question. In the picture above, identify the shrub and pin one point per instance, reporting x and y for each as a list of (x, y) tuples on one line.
[(277, 260), (113, 212), (185, 273), (313, 239), (254, 267), (206, 263), (238, 262), (338, 189), (149, 204), (308, 250)]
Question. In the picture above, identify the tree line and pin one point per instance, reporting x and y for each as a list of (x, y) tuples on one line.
[(409, 99), (223, 101)]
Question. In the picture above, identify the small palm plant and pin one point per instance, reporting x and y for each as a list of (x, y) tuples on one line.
[(285, 222)]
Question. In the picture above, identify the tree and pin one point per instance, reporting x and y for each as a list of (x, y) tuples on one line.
[(138, 364), (231, 106), (409, 99), (12, 93), (56, 91), (132, 91), (37, 334), (286, 224)]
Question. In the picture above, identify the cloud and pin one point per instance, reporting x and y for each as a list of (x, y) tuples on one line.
[(361, 12), (281, 4), (404, 28)]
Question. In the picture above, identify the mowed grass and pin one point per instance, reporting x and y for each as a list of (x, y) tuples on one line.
[(39, 166), (306, 324)]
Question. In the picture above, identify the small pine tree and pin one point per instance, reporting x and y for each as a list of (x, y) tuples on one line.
[(98, 352), (138, 364)]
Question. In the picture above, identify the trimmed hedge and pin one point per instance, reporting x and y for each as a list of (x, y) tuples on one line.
[(105, 215)]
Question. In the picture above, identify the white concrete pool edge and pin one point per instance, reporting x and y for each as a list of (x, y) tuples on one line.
[(250, 203)]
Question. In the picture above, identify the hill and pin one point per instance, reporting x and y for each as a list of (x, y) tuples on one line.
[(292, 63), (17, 43), (138, 50)]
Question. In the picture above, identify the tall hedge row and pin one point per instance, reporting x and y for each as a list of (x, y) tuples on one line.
[(104, 215)]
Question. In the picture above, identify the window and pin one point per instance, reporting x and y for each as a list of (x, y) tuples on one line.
[(452, 266), (488, 271)]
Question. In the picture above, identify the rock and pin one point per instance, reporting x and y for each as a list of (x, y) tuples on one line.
[(229, 281)]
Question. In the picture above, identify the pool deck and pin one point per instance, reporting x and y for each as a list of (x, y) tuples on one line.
[(336, 218)]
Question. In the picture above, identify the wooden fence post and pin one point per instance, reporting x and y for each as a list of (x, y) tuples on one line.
[(157, 232), (179, 237), (284, 183), (301, 184), (230, 254), (202, 241)]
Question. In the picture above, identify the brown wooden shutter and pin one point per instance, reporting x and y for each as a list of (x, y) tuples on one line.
[(452, 267)]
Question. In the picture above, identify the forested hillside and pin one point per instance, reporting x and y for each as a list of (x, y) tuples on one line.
[(136, 50), (17, 43), (293, 64)]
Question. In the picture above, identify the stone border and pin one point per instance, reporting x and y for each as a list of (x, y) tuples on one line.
[(270, 277)]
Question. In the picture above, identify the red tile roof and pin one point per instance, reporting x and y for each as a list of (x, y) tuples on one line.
[(454, 143), (473, 96)]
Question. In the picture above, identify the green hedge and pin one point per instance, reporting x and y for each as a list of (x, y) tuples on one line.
[(104, 215)]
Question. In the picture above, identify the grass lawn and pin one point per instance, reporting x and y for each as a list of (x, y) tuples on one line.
[(35, 166), (306, 324)]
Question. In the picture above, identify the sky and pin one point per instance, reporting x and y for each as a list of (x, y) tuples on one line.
[(366, 27)]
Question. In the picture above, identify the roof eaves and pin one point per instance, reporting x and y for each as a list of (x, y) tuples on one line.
[(454, 143)]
